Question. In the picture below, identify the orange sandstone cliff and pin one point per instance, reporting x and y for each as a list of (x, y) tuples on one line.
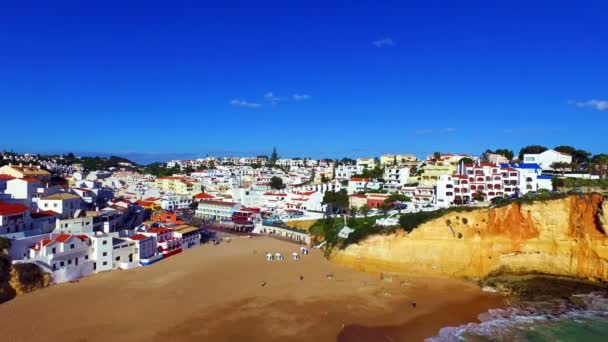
[(565, 237)]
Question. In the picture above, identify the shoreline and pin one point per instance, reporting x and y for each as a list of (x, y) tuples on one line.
[(215, 293)]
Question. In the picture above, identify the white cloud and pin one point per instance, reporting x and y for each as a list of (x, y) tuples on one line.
[(272, 98), (428, 131), (243, 103), (600, 105), (300, 97), (384, 42)]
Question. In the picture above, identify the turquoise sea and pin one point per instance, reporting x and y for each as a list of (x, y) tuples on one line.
[(556, 320)]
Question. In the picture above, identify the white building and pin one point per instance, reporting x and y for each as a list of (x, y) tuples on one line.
[(545, 159), (65, 256), (101, 251), (63, 203), (346, 172), (357, 184), (396, 177), (216, 210)]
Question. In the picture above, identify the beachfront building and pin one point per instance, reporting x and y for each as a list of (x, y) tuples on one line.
[(166, 243), (190, 236), (146, 249), (216, 210), (547, 158), (101, 252), (124, 253), (530, 177), (66, 256), (64, 203)]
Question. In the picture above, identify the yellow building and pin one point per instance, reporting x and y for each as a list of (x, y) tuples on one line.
[(400, 159), (431, 172), (24, 171), (177, 185)]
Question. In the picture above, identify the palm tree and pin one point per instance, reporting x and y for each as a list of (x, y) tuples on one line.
[(364, 210)]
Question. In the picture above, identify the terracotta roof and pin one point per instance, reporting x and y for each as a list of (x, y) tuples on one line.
[(222, 203), (159, 230), (12, 209), (45, 213), (139, 237), (358, 179), (203, 195), (61, 196), (6, 177), (273, 194)]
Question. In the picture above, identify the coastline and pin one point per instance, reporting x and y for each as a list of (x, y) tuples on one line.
[(216, 293)]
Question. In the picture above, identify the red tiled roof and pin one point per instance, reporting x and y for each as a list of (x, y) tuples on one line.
[(159, 230), (6, 177), (139, 237), (12, 209), (203, 195), (273, 194), (45, 213), (44, 242), (358, 179), (222, 203)]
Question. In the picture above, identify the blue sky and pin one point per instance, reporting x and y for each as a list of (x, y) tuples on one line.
[(160, 79)]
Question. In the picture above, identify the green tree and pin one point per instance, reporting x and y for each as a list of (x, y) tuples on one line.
[(353, 211), (562, 166), (503, 152), (336, 200), (364, 210), (467, 160), (276, 183), (274, 157), (324, 179), (531, 149), (436, 155), (599, 164), (385, 207)]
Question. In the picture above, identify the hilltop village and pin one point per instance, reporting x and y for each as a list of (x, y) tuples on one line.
[(73, 216)]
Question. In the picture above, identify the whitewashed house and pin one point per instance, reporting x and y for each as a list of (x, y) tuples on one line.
[(545, 159)]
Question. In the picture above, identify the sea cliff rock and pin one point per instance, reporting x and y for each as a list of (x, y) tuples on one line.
[(565, 237), (20, 278)]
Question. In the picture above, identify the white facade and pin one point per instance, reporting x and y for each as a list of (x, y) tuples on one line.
[(346, 172), (545, 159), (101, 252), (396, 177)]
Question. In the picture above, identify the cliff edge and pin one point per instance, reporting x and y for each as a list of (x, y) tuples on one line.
[(565, 237)]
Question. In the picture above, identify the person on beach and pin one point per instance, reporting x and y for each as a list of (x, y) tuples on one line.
[(413, 304), (263, 284), (301, 277)]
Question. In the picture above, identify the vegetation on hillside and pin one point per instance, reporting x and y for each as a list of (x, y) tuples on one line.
[(161, 170)]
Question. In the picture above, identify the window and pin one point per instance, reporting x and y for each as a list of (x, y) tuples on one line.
[(54, 250), (72, 246), (55, 205), (62, 264), (105, 263), (105, 254), (69, 261), (105, 242), (118, 258), (86, 257)]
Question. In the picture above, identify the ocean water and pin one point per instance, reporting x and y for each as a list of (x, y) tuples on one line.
[(554, 320)]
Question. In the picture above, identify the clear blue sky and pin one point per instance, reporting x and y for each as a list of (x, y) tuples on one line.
[(153, 79)]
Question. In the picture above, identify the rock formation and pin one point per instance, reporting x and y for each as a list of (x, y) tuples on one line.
[(565, 237)]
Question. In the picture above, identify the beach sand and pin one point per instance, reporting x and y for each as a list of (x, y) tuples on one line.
[(215, 293)]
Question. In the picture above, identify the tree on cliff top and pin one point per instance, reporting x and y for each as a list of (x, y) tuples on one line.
[(531, 149), (276, 183)]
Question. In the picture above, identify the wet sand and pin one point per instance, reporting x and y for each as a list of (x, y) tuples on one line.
[(215, 293)]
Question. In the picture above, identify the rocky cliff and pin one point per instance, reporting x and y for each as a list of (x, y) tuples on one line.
[(20, 278), (564, 237)]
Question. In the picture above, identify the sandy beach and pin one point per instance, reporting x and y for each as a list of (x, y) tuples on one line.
[(215, 293)]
